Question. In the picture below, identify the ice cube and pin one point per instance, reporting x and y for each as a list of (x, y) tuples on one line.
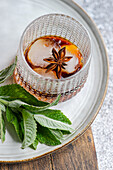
[(71, 50), (42, 48), (50, 74)]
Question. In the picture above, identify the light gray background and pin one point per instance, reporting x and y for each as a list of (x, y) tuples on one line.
[(101, 11)]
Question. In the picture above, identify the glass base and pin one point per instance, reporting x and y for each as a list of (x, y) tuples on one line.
[(43, 96)]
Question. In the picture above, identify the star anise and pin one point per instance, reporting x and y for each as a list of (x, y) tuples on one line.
[(57, 62)]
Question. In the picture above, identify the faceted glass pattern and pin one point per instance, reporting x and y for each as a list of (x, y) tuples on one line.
[(47, 89)]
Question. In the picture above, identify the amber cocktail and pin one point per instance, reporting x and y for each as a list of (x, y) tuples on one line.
[(53, 57)]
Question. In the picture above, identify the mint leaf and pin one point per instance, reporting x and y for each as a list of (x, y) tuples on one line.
[(16, 103), (56, 115), (51, 123), (2, 127), (35, 109), (11, 118), (34, 144), (45, 136), (2, 107), (15, 91), (57, 133), (29, 129), (7, 72), (13, 104), (4, 102)]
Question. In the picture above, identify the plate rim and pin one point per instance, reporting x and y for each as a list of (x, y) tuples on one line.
[(101, 102)]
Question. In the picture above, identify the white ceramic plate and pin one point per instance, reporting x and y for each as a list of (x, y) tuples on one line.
[(81, 109)]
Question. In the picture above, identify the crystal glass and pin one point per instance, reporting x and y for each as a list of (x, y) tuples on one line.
[(47, 89)]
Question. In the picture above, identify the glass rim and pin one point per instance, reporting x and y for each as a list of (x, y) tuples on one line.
[(48, 78)]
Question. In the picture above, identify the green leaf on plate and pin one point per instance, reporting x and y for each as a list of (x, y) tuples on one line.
[(13, 104), (57, 133), (11, 101), (34, 144), (7, 72), (2, 127), (12, 118), (29, 129), (15, 91), (51, 123), (35, 109), (2, 107), (4, 102), (45, 136), (56, 115), (16, 103)]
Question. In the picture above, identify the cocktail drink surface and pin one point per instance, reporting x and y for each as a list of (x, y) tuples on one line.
[(54, 57)]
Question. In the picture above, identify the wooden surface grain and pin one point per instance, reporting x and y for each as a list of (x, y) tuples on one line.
[(79, 155)]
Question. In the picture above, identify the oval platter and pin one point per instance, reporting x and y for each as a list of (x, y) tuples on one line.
[(81, 109)]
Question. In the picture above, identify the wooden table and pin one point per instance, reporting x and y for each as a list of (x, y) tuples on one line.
[(79, 155)]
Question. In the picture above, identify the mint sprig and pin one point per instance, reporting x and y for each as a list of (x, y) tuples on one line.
[(7, 72), (24, 116), (32, 119), (51, 123)]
